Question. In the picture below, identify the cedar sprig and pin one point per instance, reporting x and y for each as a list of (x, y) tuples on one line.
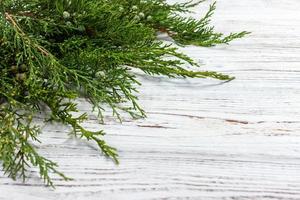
[(55, 51)]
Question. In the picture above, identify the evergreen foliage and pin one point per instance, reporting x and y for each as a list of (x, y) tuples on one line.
[(54, 51)]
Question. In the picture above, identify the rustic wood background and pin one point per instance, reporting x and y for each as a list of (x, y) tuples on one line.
[(203, 139)]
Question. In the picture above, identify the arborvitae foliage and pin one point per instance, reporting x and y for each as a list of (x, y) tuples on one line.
[(54, 51)]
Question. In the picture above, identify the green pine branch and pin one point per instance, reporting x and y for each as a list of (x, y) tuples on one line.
[(54, 51)]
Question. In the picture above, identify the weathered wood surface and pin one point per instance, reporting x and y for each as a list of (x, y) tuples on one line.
[(202, 139)]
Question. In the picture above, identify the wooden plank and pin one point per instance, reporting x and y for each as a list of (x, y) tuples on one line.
[(202, 139)]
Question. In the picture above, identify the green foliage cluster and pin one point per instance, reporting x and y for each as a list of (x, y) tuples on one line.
[(54, 51)]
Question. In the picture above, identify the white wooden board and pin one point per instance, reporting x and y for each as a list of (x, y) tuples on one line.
[(202, 139)]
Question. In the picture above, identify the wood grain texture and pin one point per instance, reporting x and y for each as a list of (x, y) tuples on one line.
[(202, 139)]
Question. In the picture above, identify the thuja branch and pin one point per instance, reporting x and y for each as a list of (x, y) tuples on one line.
[(55, 51), (20, 31)]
